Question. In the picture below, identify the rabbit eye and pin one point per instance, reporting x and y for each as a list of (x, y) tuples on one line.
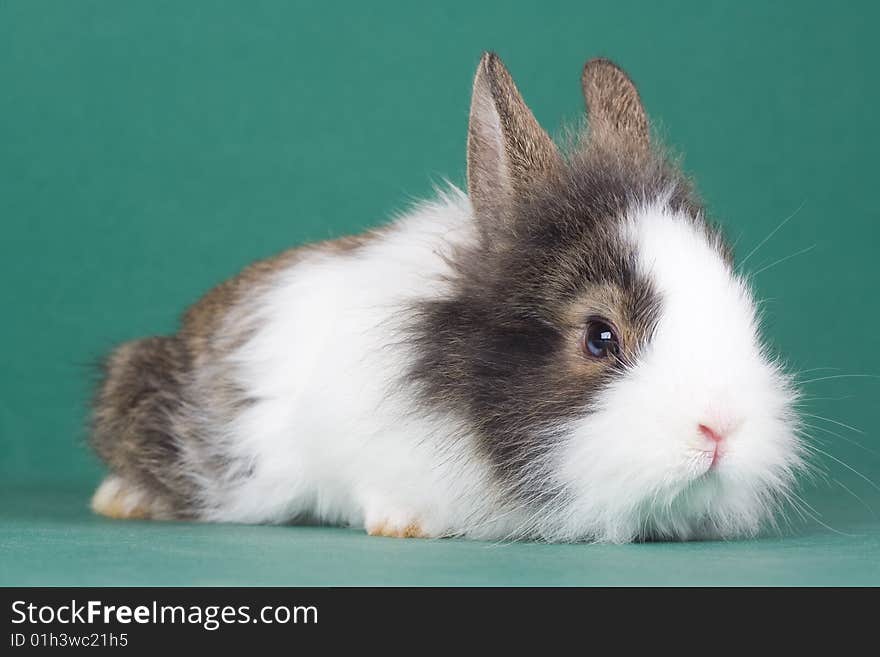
[(600, 339)]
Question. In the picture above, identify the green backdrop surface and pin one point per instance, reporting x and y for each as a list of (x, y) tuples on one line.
[(150, 149)]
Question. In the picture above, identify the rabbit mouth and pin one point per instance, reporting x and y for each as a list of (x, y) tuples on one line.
[(710, 460), (701, 464)]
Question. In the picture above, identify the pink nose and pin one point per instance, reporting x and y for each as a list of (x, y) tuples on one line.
[(710, 433)]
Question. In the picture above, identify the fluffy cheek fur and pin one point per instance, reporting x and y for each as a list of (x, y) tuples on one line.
[(637, 467), (636, 464)]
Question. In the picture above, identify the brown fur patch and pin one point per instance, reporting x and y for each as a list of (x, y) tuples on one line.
[(132, 431), (617, 117), (633, 319)]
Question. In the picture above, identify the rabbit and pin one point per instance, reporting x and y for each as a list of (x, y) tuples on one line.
[(564, 353)]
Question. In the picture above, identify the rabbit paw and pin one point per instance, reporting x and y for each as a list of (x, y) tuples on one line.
[(386, 520), (394, 529), (116, 498)]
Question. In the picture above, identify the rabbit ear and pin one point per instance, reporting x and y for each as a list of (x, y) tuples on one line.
[(615, 110), (507, 151)]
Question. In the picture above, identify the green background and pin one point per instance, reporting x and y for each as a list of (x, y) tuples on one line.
[(150, 149)]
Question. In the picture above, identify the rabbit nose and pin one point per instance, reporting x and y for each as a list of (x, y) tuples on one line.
[(710, 433)]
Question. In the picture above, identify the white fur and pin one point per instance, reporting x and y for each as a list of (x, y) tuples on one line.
[(333, 436)]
